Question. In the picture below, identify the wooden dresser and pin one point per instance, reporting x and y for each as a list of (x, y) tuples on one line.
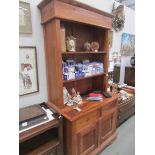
[(94, 127)]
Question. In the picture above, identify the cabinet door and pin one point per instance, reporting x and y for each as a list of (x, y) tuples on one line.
[(87, 139), (107, 124)]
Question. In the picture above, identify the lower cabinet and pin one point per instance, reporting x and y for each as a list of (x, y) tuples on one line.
[(91, 133), (87, 139)]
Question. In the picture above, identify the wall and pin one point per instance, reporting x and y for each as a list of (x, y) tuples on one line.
[(36, 39)]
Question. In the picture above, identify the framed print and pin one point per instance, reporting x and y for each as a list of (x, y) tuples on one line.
[(25, 25), (28, 74), (128, 45)]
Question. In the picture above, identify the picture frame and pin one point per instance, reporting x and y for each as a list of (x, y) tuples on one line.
[(28, 70), (127, 45), (25, 25)]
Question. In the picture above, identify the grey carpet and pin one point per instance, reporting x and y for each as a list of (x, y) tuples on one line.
[(125, 142)]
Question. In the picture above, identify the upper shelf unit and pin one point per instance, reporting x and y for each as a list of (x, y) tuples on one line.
[(74, 11), (86, 24)]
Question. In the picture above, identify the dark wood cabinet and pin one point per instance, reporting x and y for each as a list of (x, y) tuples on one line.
[(116, 74), (44, 139), (86, 24), (130, 76)]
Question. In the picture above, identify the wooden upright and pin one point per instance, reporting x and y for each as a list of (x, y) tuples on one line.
[(92, 129)]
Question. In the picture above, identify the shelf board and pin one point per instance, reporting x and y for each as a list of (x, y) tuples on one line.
[(87, 77), (45, 147), (25, 135), (72, 53)]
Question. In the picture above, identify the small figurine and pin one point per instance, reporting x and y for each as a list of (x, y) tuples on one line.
[(71, 44), (94, 46), (73, 99), (86, 46), (66, 95)]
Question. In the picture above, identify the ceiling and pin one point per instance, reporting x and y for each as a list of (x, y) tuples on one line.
[(128, 3)]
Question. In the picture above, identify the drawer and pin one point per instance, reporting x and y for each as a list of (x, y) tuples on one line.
[(86, 120), (110, 105)]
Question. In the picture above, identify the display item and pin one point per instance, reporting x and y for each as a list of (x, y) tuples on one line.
[(86, 46), (94, 46), (106, 94), (71, 44)]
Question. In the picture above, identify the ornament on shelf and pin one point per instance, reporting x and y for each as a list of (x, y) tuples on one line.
[(71, 44), (118, 17), (86, 46), (72, 99), (94, 46)]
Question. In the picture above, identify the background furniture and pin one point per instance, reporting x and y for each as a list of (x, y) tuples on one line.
[(92, 129), (130, 76), (44, 139), (116, 74), (126, 110)]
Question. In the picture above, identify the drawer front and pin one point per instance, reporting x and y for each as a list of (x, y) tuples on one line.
[(88, 119), (109, 106)]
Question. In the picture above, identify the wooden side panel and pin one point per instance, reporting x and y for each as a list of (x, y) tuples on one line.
[(54, 67), (73, 13), (69, 138), (106, 59)]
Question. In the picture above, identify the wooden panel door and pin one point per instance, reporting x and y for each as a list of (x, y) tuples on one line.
[(87, 139), (107, 124)]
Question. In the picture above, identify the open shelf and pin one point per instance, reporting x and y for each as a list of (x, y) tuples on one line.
[(70, 53), (87, 77), (47, 147)]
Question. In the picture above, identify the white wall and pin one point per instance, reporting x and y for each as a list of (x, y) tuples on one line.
[(36, 39)]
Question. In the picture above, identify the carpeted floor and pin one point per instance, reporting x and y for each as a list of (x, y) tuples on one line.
[(125, 142)]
